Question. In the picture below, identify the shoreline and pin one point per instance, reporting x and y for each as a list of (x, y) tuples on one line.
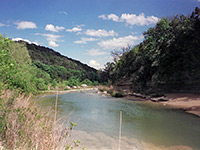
[(188, 102), (48, 92)]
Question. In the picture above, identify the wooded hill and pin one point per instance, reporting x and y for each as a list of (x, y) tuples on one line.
[(167, 60), (58, 66), (31, 68)]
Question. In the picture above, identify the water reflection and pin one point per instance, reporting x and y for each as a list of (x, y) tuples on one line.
[(142, 121)]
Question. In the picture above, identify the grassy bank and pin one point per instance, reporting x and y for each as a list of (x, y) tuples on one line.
[(24, 126)]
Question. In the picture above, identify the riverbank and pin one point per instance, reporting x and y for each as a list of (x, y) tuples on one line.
[(23, 125), (101, 141), (97, 118), (189, 102), (48, 92)]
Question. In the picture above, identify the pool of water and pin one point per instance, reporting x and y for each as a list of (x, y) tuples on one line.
[(142, 121)]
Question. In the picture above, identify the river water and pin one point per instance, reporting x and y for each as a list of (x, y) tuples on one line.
[(145, 125)]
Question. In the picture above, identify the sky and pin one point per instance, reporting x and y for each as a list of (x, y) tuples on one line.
[(86, 30)]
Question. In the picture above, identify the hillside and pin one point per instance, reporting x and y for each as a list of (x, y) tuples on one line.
[(167, 60), (42, 56), (22, 124)]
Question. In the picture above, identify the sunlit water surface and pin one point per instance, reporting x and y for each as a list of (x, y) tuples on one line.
[(98, 120)]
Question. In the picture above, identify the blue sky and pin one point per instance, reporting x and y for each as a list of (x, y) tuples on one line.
[(86, 30)]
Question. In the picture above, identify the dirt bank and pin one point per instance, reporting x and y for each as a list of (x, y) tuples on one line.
[(49, 92), (190, 102)]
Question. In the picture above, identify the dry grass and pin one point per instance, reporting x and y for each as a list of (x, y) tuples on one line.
[(28, 128)]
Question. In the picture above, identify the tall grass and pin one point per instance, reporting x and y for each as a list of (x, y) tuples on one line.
[(27, 127)]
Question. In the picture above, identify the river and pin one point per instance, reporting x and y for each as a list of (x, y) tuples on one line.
[(145, 125)]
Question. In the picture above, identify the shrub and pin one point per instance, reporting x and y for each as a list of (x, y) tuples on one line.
[(87, 81)]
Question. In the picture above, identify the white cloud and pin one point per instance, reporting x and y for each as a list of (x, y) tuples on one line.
[(103, 17), (120, 42), (95, 64), (198, 0), (132, 19), (75, 29), (100, 33), (53, 44), (140, 20), (26, 25), (95, 52), (1, 25), (51, 38), (85, 40), (113, 17), (50, 27), (20, 39)]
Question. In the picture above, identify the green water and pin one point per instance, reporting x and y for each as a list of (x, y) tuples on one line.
[(148, 122)]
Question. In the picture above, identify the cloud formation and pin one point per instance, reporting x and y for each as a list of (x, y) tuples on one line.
[(95, 52), (51, 38), (100, 33), (26, 25), (52, 28), (20, 39), (131, 19), (120, 42), (85, 40), (1, 25), (75, 29), (53, 44), (95, 64)]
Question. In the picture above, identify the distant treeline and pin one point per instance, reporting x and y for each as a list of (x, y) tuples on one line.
[(167, 60)]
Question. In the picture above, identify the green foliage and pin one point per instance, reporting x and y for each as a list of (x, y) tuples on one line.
[(53, 83), (40, 83), (72, 125), (16, 70), (73, 81), (87, 82), (3, 112), (167, 59), (76, 142), (19, 53), (58, 66), (1, 87)]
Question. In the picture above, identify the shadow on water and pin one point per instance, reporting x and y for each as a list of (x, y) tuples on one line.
[(143, 121)]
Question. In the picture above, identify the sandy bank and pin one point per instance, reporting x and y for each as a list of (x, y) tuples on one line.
[(100, 141), (68, 91), (189, 102)]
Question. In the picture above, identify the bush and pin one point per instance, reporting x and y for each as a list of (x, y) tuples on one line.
[(87, 82), (40, 83), (73, 81)]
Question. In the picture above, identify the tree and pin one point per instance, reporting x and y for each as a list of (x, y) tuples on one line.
[(117, 54)]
